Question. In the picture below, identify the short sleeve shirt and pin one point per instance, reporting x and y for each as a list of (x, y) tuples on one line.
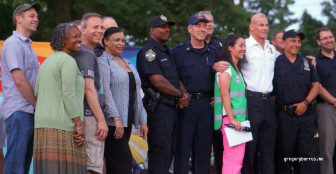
[(17, 54), (88, 66), (326, 67), (155, 59), (292, 81)]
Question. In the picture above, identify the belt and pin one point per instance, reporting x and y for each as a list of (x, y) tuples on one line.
[(169, 102), (199, 95), (262, 95)]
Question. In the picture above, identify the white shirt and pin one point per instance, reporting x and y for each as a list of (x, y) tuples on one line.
[(258, 66)]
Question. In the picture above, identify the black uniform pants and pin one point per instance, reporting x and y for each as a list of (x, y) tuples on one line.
[(194, 136), (218, 150), (296, 134), (259, 153), (161, 138), (117, 153)]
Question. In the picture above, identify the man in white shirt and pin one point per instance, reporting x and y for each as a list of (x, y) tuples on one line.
[(258, 72)]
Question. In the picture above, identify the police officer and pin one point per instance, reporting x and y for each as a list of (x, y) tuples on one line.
[(210, 38), (217, 134), (162, 88), (296, 86), (194, 60)]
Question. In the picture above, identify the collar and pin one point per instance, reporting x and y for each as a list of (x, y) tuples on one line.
[(110, 57), (322, 56), (158, 45), (189, 46), (252, 42), (22, 37)]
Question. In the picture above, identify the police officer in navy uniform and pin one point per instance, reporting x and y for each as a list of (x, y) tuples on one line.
[(194, 60), (163, 93), (296, 86), (217, 134)]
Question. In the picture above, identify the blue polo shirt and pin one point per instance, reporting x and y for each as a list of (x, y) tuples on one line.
[(326, 69), (194, 66), (17, 54)]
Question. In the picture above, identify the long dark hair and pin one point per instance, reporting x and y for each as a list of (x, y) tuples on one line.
[(226, 54)]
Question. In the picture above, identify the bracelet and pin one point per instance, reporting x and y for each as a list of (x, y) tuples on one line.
[(305, 101)]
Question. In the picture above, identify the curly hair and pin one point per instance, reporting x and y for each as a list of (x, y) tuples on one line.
[(58, 36)]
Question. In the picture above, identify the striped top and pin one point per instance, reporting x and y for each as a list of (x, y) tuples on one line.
[(115, 84)]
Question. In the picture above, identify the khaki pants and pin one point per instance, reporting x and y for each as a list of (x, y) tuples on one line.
[(94, 148)]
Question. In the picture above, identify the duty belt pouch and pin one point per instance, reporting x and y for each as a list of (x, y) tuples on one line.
[(154, 100)]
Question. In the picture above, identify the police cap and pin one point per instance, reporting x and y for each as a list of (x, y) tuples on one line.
[(196, 17), (293, 33), (157, 21)]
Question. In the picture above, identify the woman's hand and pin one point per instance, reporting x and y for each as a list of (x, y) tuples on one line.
[(119, 132), (79, 135), (236, 123), (143, 131)]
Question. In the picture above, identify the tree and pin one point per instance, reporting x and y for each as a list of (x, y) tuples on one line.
[(308, 27), (277, 12), (329, 10)]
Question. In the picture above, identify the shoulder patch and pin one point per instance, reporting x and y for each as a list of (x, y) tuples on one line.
[(150, 55)]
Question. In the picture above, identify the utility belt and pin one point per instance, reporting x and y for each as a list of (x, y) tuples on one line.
[(155, 98), (199, 95), (262, 95)]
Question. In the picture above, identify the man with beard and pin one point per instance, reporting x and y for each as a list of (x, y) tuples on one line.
[(195, 60), (163, 93), (95, 125), (326, 111), (296, 85)]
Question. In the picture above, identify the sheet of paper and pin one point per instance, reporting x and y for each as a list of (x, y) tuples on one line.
[(238, 137)]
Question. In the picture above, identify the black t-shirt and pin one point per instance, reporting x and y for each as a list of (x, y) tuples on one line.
[(326, 69), (88, 66)]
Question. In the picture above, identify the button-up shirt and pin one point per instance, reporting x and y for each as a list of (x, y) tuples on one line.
[(17, 54), (194, 66), (292, 81), (258, 66)]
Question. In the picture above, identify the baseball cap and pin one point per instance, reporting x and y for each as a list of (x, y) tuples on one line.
[(158, 21), (293, 33), (196, 17), (25, 7)]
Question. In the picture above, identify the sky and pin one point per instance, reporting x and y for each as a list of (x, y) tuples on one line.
[(313, 7)]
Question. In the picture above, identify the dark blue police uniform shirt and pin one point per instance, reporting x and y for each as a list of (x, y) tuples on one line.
[(195, 66), (326, 69), (154, 59), (292, 81), (217, 43)]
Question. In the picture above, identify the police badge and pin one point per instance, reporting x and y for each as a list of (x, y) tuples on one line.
[(163, 18), (150, 55)]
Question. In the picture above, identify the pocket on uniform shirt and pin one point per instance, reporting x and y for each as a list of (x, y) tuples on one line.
[(187, 69), (304, 77), (166, 65)]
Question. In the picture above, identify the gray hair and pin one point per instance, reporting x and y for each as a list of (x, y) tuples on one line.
[(206, 12), (86, 17), (274, 33)]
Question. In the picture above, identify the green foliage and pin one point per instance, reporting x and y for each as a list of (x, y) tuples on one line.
[(329, 10), (308, 27)]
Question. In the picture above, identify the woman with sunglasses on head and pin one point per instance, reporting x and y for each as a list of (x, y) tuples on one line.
[(122, 94), (230, 101)]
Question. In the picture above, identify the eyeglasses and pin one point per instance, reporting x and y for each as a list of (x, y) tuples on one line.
[(327, 38)]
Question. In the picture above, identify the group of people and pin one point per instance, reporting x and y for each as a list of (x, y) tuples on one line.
[(76, 111)]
